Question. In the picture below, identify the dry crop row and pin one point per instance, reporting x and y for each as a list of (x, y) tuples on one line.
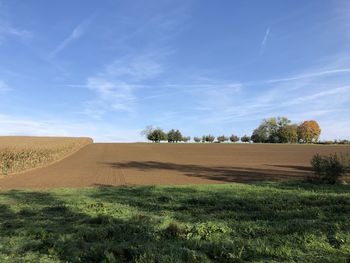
[(18, 154)]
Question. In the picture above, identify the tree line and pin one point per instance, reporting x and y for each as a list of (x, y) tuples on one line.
[(271, 130)]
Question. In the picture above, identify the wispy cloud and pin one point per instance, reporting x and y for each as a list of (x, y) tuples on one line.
[(3, 86), (311, 75), (322, 93), (75, 34), (264, 41), (115, 85), (7, 30)]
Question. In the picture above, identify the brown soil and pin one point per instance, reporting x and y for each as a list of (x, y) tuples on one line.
[(151, 164)]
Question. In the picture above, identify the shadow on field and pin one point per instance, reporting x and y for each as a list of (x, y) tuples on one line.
[(294, 167), (123, 224), (46, 226), (224, 174)]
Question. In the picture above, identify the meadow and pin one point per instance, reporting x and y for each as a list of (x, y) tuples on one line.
[(264, 222), (18, 154), (170, 203)]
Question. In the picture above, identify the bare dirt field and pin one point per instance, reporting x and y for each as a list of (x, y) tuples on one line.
[(153, 164)]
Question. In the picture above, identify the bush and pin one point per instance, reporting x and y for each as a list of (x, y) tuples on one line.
[(329, 169)]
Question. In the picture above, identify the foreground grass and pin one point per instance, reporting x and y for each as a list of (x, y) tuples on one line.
[(271, 222)]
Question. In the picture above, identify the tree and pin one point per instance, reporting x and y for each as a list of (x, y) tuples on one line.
[(289, 133), (222, 138), (157, 135), (171, 136), (260, 134), (270, 130), (178, 136), (309, 131), (208, 138), (186, 138), (174, 136), (197, 139), (234, 138), (245, 138), (146, 131)]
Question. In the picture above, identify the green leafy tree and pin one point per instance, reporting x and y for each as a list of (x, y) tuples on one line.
[(157, 135), (178, 136), (174, 136), (269, 131), (222, 138), (245, 138), (260, 134), (209, 138), (234, 138), (288, 133), (171, 136)]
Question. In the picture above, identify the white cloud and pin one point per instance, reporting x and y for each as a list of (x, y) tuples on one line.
[(115, 86), (311, 75), (3, 86), (76, 33), (7, 30), (264, 41)]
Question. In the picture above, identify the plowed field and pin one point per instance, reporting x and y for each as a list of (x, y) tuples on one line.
[(154, 164)]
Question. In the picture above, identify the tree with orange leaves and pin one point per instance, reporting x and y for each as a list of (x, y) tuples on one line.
[(309, 131)]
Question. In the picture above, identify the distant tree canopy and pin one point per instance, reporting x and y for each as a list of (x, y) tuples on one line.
[(174, 136), (208, 138), (289, 133), (157, 135), (154, 134), (245, 138), (309, 131), (280, 130), (197, 139), (234, 138), (186, 138), (271, 130), (222, 138)]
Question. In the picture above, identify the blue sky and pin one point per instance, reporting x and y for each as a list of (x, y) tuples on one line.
[(107, 69)]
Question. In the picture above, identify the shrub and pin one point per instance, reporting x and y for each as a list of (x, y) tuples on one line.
[(329, 169)]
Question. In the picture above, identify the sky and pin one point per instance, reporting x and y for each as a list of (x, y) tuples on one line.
[(107, 69)]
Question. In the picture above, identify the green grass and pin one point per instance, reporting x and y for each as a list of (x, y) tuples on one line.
[(270, 222)]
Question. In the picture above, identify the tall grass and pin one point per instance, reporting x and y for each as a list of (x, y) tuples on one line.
[(18, 154)]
